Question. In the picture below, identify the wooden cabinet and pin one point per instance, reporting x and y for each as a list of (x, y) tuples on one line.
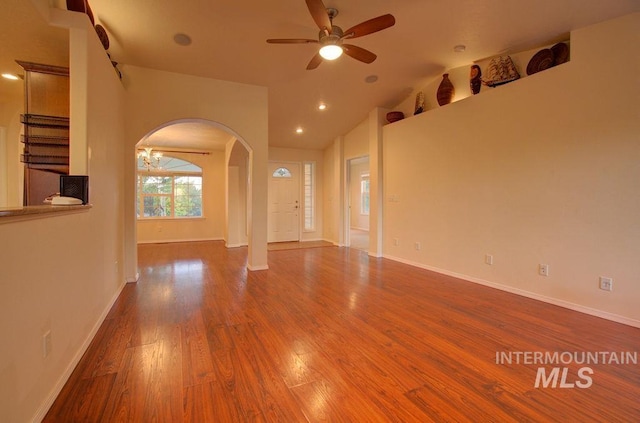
[(46, 130)]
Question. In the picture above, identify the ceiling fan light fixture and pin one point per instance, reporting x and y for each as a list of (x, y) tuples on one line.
[(331, 37), (331, 51)]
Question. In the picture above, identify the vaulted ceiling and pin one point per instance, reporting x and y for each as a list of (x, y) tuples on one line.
[(228, 42)]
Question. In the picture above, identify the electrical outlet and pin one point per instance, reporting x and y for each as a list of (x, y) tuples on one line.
[(418, 246), (543, 269), (46, 344), (488, 259), (606, 284), (396, 242)]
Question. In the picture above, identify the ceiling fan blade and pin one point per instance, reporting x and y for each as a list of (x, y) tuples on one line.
[(291, 41), (315, 62), (319, 14), (359, 53), (370, 26)]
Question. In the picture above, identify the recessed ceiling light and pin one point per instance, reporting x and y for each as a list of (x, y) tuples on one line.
[(299, 130), (459, 48), (10, 76), (371, 79), (322, 106), (182, 39)]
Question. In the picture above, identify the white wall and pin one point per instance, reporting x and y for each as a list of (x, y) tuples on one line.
[(211, 225), (333, 192), (542, 170), (4, 182), (61, 274), (236, 213), (236, 236), (239, 109), (11, 169), (356, 141)]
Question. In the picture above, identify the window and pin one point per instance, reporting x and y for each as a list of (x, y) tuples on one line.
[(309, 196), (173, 189), (364, 193), (282, 172)]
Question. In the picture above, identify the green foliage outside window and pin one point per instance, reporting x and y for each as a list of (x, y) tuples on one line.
[(169, 195), (188, 196)]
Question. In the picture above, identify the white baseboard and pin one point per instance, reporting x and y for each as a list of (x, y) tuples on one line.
[(136, 279), (44, 408), (167, 241), (256, 268), (235, 245), (337, 244), (550, 300)]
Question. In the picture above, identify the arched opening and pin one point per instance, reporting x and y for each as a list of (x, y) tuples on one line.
[(238, 199), (182, 183)]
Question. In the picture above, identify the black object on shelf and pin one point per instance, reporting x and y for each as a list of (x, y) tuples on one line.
[(76, 186)]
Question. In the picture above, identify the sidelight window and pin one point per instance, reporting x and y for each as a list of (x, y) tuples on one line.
[(309, 197), (364, 194)]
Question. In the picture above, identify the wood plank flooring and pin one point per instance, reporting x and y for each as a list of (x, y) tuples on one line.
[(332, 335)]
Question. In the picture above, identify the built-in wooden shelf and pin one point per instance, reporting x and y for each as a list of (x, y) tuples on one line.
[(46, 130)]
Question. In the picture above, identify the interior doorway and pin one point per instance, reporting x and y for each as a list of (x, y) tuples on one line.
[(358, 200), (284, 202)]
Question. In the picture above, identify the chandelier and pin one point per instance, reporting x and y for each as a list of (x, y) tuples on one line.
[(150, 160)]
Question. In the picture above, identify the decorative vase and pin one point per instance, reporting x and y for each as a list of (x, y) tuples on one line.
[(475, 79), (394, 116), (446, 91), (419, 103)]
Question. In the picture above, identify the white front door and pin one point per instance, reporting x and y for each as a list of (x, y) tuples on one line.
[(284, 202)]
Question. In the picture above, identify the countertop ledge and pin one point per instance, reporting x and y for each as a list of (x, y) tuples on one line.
[(13, 214)]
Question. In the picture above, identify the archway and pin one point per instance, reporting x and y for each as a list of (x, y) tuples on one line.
[(238, 199), (203, 144)]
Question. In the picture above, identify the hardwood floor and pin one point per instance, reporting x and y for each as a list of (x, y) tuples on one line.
[(359, 239), (330, 334)]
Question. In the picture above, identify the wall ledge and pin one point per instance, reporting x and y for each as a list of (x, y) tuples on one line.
[(17, 214)]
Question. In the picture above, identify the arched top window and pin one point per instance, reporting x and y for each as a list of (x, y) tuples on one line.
[(167, 164), (282, 172), (168, 187)]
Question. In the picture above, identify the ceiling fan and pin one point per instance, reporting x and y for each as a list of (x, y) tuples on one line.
[(331, 37)]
